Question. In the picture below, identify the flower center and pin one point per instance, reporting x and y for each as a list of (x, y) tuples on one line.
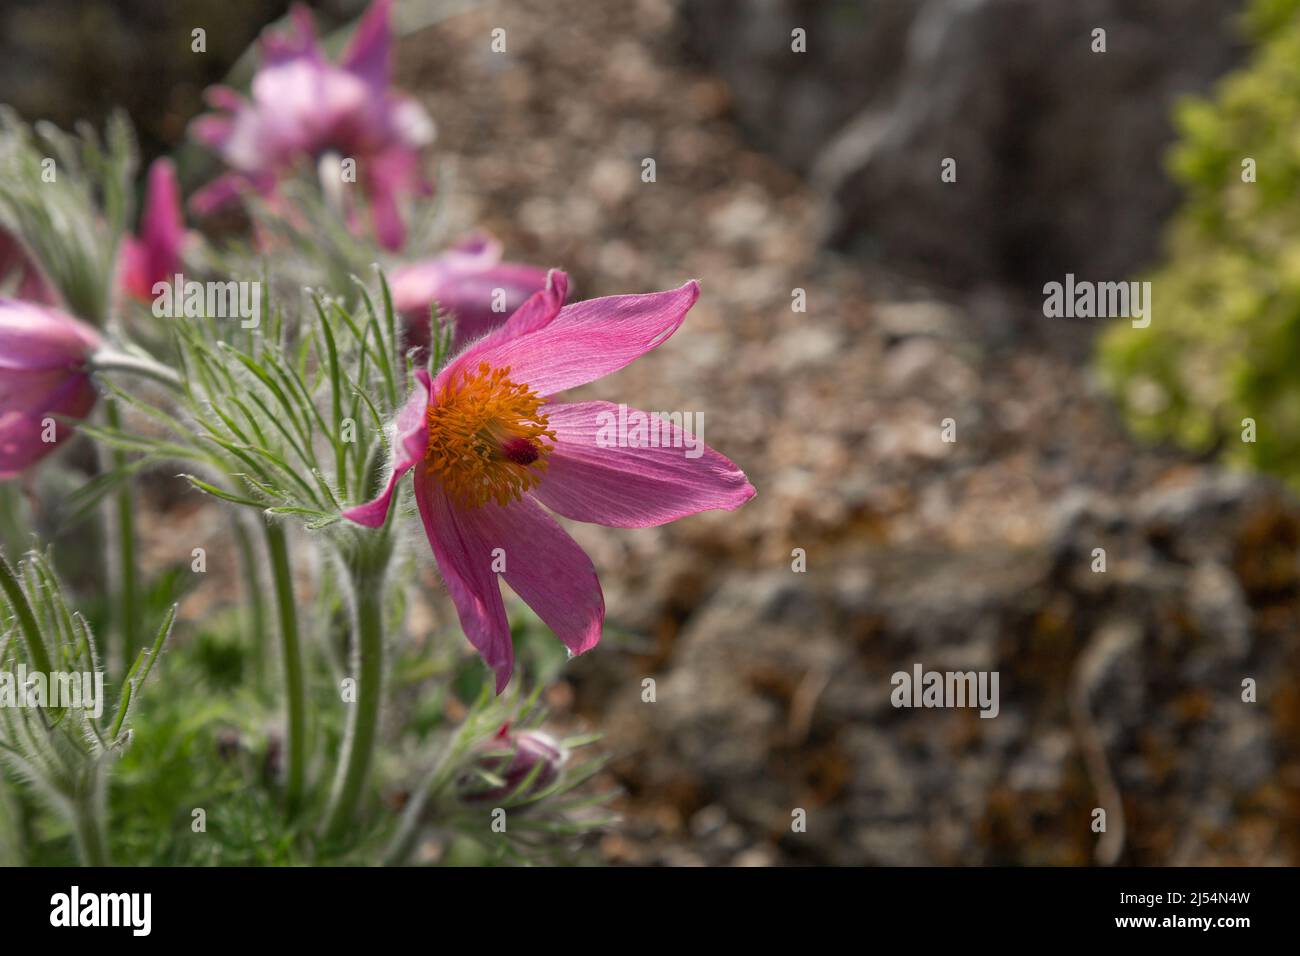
[(486, 438)]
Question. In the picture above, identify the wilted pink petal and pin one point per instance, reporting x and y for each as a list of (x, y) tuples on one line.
[(43, 355), (590, 478)]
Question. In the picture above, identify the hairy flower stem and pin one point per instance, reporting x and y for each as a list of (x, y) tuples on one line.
[(88, 825), (408, 829), (291, 652), (404, 840), (366, 573), (109, 359), (252, 571), (124, 534)]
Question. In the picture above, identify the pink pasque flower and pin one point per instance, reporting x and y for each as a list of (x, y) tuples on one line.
[(154, 255), (490, 448), (304, 107), (470, 282), (43, 374)]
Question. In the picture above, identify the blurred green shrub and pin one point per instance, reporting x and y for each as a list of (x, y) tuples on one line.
[(1224, 341)]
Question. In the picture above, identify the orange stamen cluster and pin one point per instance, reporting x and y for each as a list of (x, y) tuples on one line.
[(486, 438)]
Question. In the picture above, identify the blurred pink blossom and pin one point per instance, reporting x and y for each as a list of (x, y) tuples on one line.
[(469, 282), (303, 108), (155, 254)]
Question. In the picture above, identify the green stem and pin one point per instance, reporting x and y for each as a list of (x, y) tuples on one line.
[(367, 586), (88, 827), (291, 652), (408, 828), (252, 569), (109, 359), (124, 508)]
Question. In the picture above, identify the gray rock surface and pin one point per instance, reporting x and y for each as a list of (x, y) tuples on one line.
[(1059, 149)]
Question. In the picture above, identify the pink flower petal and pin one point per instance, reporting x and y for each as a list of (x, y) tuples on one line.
[(410, 437), (386, 217), (221, 192), (464, 282), (543, 565), (411, 127), (299, 39), (589, 478), (466, 565), (475, 252), (469, 298), (586, 341), (368, 52), (34, 338), (224, 98), (212, 130), (387, 176), (536, 312), (156, 255), (26, 401)]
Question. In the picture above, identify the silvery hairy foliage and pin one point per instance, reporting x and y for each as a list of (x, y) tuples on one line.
[(58, 733)]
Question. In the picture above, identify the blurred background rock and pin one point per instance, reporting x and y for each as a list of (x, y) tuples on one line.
[(820, 171), (1059, 148)]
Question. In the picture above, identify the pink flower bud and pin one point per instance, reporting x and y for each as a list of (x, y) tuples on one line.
[(513, 758), (43, 374)]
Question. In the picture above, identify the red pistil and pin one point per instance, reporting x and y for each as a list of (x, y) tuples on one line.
[(521, 451)]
